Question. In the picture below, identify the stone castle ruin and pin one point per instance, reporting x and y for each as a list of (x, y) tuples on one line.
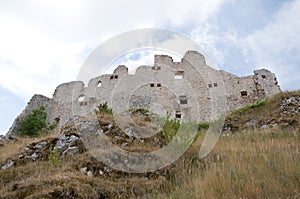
[(185, 89)]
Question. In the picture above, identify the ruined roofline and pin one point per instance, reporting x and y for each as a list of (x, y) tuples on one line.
[(122, 69), (190, 54), (164, 75), (161, 60), (234, 75)]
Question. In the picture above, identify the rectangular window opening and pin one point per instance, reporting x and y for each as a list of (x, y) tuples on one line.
[(215, 84), (179, 75), (156, 67), (159, 85), (209, 85), (151, 85), (92, 100), (264, 76), (244, 93), (178, 114), (183, 100)]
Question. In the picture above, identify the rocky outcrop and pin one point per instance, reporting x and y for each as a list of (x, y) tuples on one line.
[(290, 106), (36, 102), (67, 144), (284, 113)]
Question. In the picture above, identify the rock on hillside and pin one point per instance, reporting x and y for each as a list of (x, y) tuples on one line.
[(281, 111)]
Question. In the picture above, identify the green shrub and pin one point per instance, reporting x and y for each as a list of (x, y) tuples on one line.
[(103, 108), (250, 106), (34, 123), (139, 110), (52, 126), (170, 127), (203, 126)]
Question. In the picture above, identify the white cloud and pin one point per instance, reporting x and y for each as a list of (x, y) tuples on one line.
[(277, 46), (44, 43), (222, 47), (31, 61)]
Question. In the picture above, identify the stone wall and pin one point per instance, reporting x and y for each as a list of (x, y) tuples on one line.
[(36, 102), (187, 89)]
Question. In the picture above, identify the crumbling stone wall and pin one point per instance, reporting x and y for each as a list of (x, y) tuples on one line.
[(36, 102), (186, 89)]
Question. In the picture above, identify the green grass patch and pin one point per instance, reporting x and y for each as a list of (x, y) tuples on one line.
[(250, 106)]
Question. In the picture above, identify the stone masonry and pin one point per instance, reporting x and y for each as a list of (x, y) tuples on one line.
[(185, 89)]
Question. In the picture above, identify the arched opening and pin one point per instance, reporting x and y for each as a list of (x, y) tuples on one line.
[(99, 84)]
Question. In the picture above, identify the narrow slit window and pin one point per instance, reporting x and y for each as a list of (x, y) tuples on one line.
[(156, 67)]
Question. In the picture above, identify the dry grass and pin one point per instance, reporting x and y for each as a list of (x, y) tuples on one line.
[(255, 164), (43, 180), (10, 149), (264, 112)]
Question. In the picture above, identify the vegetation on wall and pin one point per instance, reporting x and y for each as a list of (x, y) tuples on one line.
[(170, 127), (103, 108)]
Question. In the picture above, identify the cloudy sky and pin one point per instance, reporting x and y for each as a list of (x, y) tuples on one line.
[(44, 43)]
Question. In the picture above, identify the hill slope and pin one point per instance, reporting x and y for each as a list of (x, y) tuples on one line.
[(258, 156)]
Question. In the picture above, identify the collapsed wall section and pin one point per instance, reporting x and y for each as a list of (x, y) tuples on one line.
[(35, 102)]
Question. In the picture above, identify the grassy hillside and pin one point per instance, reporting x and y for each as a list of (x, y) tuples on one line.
[(258, 156)]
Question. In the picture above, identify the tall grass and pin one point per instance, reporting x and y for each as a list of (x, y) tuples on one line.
[(256, 164)]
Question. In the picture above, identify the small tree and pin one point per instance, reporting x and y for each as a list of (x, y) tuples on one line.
[(34, 122)]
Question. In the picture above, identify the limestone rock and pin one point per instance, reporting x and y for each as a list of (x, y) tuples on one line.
[(10, 163)]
